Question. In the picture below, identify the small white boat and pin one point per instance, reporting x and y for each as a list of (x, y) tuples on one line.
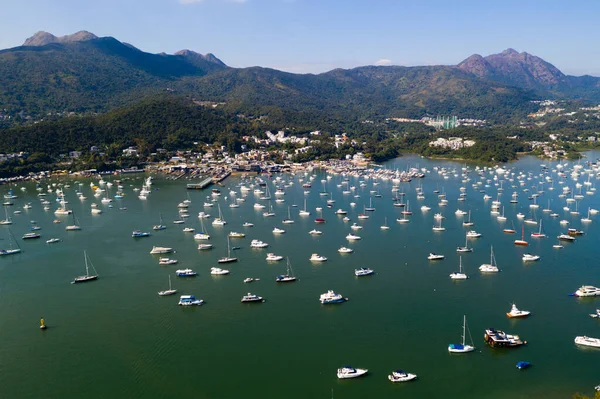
[(401, 376), (248, 224), (274, 258), (277, 230), (433, 256), (161, 250), (363, 271), (258, 244), (459, 275), (530, 258), (350, 372), (317, 258), (344, 250), (315, 232), (52, 240), (252, 298), (352, 237), (216, 271), (189, 300), (167, 261)]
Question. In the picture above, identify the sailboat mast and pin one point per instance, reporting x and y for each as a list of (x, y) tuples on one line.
[(87, 273), (464, 326)]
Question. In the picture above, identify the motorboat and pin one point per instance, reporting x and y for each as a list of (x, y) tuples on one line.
[(516, 312), (248, 280), (356, 226), (274, 258), (352, 237), (522, 365), (277, 230), (234, 234), (363, 271), (252, 298), (315, 232), (167, 261), (189, 300), (595, 315), (587, 290), (566, 237), (161, 250), (258, 244), (29, 236), (500, 339), (331, 297), (185, 273), (188, 230), (205, 246), (52, 240), (248, 224), (216, 271), (401, 376), (473, 234), (587, 341), (350, 372), (317, 258), (433, 256), (530, 258), (344, 250), (139, 234)]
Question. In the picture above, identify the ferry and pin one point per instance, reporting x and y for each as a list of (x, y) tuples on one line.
[(189, 300)]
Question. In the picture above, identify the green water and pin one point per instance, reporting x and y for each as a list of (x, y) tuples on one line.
[(115, 337)]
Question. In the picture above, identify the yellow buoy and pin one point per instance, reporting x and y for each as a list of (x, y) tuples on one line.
[(42, 324)]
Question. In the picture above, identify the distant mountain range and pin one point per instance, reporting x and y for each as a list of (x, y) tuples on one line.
[(82, 73)]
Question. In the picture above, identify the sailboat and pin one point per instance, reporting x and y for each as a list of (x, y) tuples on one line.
[(304, 212), (510, 230), (459, 275), (501, 218), (522, 241), (8, 220), (385, 225), (370, 207), (228, 258), (468, 222), (14, 246), (270, 212), (439, 226), (161, 225), (462, 348), (407, 210), (170, 291), (289, 219), (492, 267), (539, 234), (75, 226), (87, 277), (289, 274), (466, 247), (219, 221)]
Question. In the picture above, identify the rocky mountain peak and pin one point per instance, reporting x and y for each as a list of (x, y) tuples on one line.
[(42, 38)]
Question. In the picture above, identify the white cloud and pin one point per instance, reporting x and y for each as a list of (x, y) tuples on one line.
[(186, 2), (383, 62)]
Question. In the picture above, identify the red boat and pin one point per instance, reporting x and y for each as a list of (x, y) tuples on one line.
[(319, 220)]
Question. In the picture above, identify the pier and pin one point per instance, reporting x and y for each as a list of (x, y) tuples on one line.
[(199, 186)]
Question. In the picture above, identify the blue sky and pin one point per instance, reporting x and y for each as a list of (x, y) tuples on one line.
[(310, 36)]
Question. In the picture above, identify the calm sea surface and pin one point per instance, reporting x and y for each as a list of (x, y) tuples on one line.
[(115, 337)]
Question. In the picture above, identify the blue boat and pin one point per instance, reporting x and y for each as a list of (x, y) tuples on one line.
[(185, 273), (523, 365), (189, 300)]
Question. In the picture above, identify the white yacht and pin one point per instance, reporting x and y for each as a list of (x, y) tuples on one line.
[(315, 232), (248, 224), (356, 227), (350, 372), (352, 237), (587, 290), (473, 234), (530, 258), (274, 258), (277, 230), (161, 250), (317, 258), (167, 261), (516, 312), (216, 271), (401, 376), (433, 256), (462, 347), (252, 298), (344, 250), (363, 271), (331, 297), (587, 341), (258, 244)]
